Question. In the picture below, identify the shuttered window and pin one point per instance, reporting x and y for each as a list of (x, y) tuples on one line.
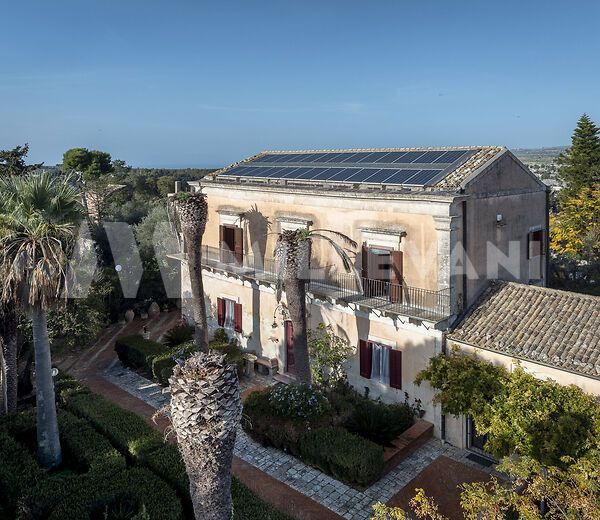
[(367, 368), (229, 314)]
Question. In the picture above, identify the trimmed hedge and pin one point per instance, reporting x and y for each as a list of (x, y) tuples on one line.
[(162, 366), (346, 456), (84, 449), (138, 352), (18, 471), (379, 422), (125, 430), (136, 489)]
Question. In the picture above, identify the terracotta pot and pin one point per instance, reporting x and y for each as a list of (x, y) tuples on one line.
[(129, 315)]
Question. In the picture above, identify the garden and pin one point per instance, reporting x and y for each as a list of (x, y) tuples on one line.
[(156, 360), (115, 466), (334, 429)]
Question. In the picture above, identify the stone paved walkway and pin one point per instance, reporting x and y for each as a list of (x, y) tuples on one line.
[(347, 502)]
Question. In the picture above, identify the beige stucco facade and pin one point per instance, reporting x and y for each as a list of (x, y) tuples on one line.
[(428, 227)]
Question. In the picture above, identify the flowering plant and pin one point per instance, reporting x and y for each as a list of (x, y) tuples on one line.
[(298, 401)]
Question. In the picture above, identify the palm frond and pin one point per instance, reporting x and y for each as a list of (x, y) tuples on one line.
[(345, 238), (346, 260)]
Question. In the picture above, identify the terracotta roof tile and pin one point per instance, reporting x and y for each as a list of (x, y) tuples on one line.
[(557, 328)]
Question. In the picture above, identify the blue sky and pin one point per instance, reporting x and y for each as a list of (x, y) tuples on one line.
[(190, 83)]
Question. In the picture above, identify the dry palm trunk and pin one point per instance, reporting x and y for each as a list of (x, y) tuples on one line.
[(192, 211), (205, 411), (293, 255), (8, 344)]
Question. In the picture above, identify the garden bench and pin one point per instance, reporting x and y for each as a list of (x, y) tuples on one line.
[(267, 366)]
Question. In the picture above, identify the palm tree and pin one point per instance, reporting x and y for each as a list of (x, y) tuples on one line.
[(192, 212), (205, 412), (9, 376), (292, 253), (39, 217)]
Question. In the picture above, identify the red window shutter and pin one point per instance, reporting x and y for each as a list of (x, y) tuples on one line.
[(366, 358), (221, 236), (238, 245), (396, 368), (237, 317), (221, 311)]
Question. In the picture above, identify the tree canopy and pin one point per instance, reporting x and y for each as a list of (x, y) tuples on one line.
[(12, 162), (90, 163), (520, 415), (579, 165)]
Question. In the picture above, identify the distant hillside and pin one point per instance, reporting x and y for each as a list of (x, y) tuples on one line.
[(538, 155), (541, 161)]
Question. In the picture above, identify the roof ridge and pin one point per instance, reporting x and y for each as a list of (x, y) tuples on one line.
[(551, 290), (410, 149)]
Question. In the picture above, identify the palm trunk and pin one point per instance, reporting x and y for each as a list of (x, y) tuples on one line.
[(9, 355), (205, 411), (295, 290), (49, 452), (193, 213), (194, 257)]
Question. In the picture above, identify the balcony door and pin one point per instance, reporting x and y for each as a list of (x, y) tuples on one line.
[(231, 244), (382, 272)]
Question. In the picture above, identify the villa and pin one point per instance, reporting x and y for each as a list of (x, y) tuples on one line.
[(433, 225)]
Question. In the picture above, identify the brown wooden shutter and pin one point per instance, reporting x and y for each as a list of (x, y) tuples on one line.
[(221, 236), (221, 311), (238, 245), (365, 261), (366, 358), (396, 275), (237, 317), (396, 368)]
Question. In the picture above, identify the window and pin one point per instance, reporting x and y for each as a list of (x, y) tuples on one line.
[(231, 244), (381, 363), (229, 314), (536, 250), (382, 272)]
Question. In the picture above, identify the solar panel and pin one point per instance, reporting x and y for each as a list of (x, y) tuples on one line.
[(379, 167), (269, 157), (451, 156), (423, 177), (430, 156), (400, 176)]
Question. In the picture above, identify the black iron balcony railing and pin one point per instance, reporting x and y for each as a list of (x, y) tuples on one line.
[(321, 281)]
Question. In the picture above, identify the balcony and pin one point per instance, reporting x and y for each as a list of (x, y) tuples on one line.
[(399, 299)]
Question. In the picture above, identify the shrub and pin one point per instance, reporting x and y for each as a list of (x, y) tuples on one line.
[(125, 430), (65, 385), (298, 401), (178, 335), (345, 456), (137, 352), (233, 353), (84, 449), (220, 336), (378, 422), (131, 492), (271, 429), (166, 462), (162, 366), (18, 471)]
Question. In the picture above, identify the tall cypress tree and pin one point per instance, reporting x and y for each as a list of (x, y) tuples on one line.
[(580, 164)]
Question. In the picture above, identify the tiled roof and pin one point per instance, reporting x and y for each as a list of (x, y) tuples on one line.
[(452, 181), (556, 328), (455, 178)]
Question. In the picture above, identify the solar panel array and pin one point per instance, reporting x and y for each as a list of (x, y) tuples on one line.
[(409, 168)]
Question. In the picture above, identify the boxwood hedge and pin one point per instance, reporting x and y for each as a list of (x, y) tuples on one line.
[(348, 457), (138, 352)]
